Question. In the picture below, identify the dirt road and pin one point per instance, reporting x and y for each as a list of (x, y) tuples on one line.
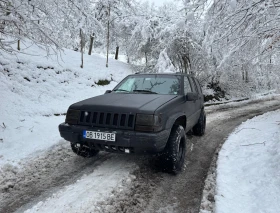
[(150, 191)]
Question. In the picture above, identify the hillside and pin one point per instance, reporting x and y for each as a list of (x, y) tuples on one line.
[(35, 89)]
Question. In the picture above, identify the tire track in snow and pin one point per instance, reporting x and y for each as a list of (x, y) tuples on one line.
[(88, 192)]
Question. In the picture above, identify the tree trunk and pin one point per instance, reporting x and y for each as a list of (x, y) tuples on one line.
[(146, 58), (246, 77), (91, 44), (108, 35), (127, 58), (243, 72), (181, 67), (82, 49), (187, 63), (18, 42), (117, 53)]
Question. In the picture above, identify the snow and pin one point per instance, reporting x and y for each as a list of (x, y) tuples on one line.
[(164, 64), (88, 193), (36, 88), (248, 169), (233, 4)]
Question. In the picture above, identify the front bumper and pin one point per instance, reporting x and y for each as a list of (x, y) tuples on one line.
[(135, 142)]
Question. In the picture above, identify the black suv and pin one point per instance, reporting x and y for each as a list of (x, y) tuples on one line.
[(144, 113)]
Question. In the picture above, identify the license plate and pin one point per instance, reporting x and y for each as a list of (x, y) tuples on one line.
[(104, 136)]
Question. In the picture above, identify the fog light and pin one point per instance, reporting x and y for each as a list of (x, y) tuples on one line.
[(126, 151)]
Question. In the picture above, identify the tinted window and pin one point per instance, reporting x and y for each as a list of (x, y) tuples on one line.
[(187, 86), (159, 84)]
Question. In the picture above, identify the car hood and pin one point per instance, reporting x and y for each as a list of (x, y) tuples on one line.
[(123, 102)]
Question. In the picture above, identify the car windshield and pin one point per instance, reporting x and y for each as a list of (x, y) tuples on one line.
[(150, 84)]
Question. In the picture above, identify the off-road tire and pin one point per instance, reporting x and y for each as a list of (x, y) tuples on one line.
[(175, 150), (83, 150), (199, 128)]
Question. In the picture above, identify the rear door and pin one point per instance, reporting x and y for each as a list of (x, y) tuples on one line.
[(190, 105), (197, 103), (200, 94)]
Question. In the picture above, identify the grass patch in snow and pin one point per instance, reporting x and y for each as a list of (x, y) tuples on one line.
[(103, 82)]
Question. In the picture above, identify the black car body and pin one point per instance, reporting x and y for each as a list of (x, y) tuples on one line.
[(136, 121)]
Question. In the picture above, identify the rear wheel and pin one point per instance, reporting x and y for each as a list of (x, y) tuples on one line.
[(83, 150), (175, 150), (199, 128)]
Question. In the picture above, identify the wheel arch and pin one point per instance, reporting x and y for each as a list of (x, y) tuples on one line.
[(177, 119)]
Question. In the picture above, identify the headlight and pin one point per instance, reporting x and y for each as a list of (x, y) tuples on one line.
[(148, 123), (72, 116)]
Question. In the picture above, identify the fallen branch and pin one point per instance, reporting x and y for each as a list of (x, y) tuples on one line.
[(56, 114), (254, 144), (4, 126), (247, 128), (31, 129)]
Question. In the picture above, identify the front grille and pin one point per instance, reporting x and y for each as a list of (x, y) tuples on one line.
[(107, 119)]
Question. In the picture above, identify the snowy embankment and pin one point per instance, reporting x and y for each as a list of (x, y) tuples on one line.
[(248, 169), (36, 89)]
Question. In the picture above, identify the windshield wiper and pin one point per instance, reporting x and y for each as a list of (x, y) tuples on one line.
[(146, 91), (120, 90)]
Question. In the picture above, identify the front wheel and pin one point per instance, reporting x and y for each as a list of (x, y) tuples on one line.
[(175, 150), (83, 150)]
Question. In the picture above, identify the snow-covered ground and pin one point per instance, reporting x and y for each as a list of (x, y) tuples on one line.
[(247, 177), (248, 171), (35, 89), (88, 193)]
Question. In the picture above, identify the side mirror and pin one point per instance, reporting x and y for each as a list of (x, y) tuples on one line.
[(191, 96), (108, 91)]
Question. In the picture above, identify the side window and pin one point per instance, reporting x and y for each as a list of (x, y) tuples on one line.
[(198, 86), (187, 86), (193, 85)]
